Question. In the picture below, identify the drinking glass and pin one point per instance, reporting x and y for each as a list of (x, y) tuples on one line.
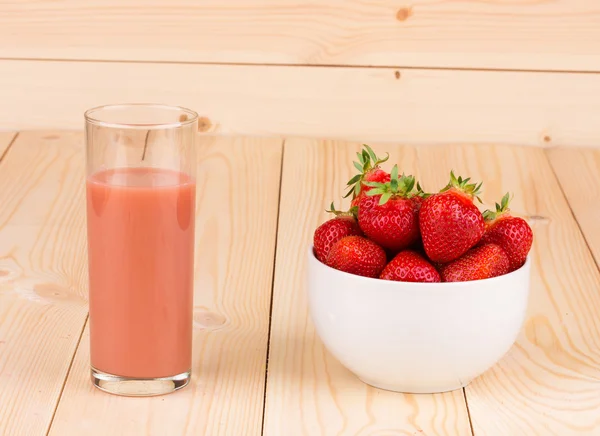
[(140, 190)]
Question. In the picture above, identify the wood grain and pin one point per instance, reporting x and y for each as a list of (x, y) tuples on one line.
[(308, 391), (548, 383), (238, 187), (578, 171), (534, 34), (364, 104), (43, 275), (6, 139)]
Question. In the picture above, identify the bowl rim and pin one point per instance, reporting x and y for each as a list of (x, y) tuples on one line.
[(438, 285)]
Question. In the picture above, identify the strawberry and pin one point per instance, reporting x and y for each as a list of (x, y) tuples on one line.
[(331, 231), (417, 202), (410, 266), (511, 233), (481, 262), (357, 255), (391, 221), (419, 197), (368, 171), (449, 221), (364, 202), (378, 176)]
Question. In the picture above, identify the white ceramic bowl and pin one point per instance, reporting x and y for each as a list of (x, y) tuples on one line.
[(416, 337)]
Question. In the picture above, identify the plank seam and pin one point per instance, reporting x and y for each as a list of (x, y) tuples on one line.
[(564, 194), (275, 64), (468, 411), (12, 141), (262, 426), (62, 389)]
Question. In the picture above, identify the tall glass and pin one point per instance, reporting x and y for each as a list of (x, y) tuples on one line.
[(140, 215)]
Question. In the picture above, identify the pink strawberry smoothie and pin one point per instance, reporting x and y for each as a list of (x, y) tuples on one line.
[(141, 259)]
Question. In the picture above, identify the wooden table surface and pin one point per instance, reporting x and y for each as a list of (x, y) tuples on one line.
[(259, 367)]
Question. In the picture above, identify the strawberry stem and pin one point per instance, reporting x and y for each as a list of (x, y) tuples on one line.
[(501, 208), (367, 160), (420, 192), (353, 211), (396, 187), (463, 185)]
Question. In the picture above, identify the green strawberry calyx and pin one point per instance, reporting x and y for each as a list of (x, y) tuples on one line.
[(398, 186), (352, 212), (367, 161), (420, 192), (502, 208), (473, 190)]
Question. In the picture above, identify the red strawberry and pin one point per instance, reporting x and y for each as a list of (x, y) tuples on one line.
[(331, 231), (511, 233), (368, 171), (376, 175), (409, 266), (392, 222), (418, 200), (357, 255), (419, 197), (479, 263), (364, 202), (449, 221)]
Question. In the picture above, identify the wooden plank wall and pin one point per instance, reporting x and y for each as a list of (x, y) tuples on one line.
[(537, 35), (418, 71)]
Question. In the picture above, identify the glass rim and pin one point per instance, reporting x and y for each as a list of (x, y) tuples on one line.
[(192, 116)]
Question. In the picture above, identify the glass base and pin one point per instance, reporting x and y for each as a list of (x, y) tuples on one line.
[(139, 387)]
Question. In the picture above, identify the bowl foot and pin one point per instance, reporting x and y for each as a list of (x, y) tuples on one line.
[(408, 389)]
